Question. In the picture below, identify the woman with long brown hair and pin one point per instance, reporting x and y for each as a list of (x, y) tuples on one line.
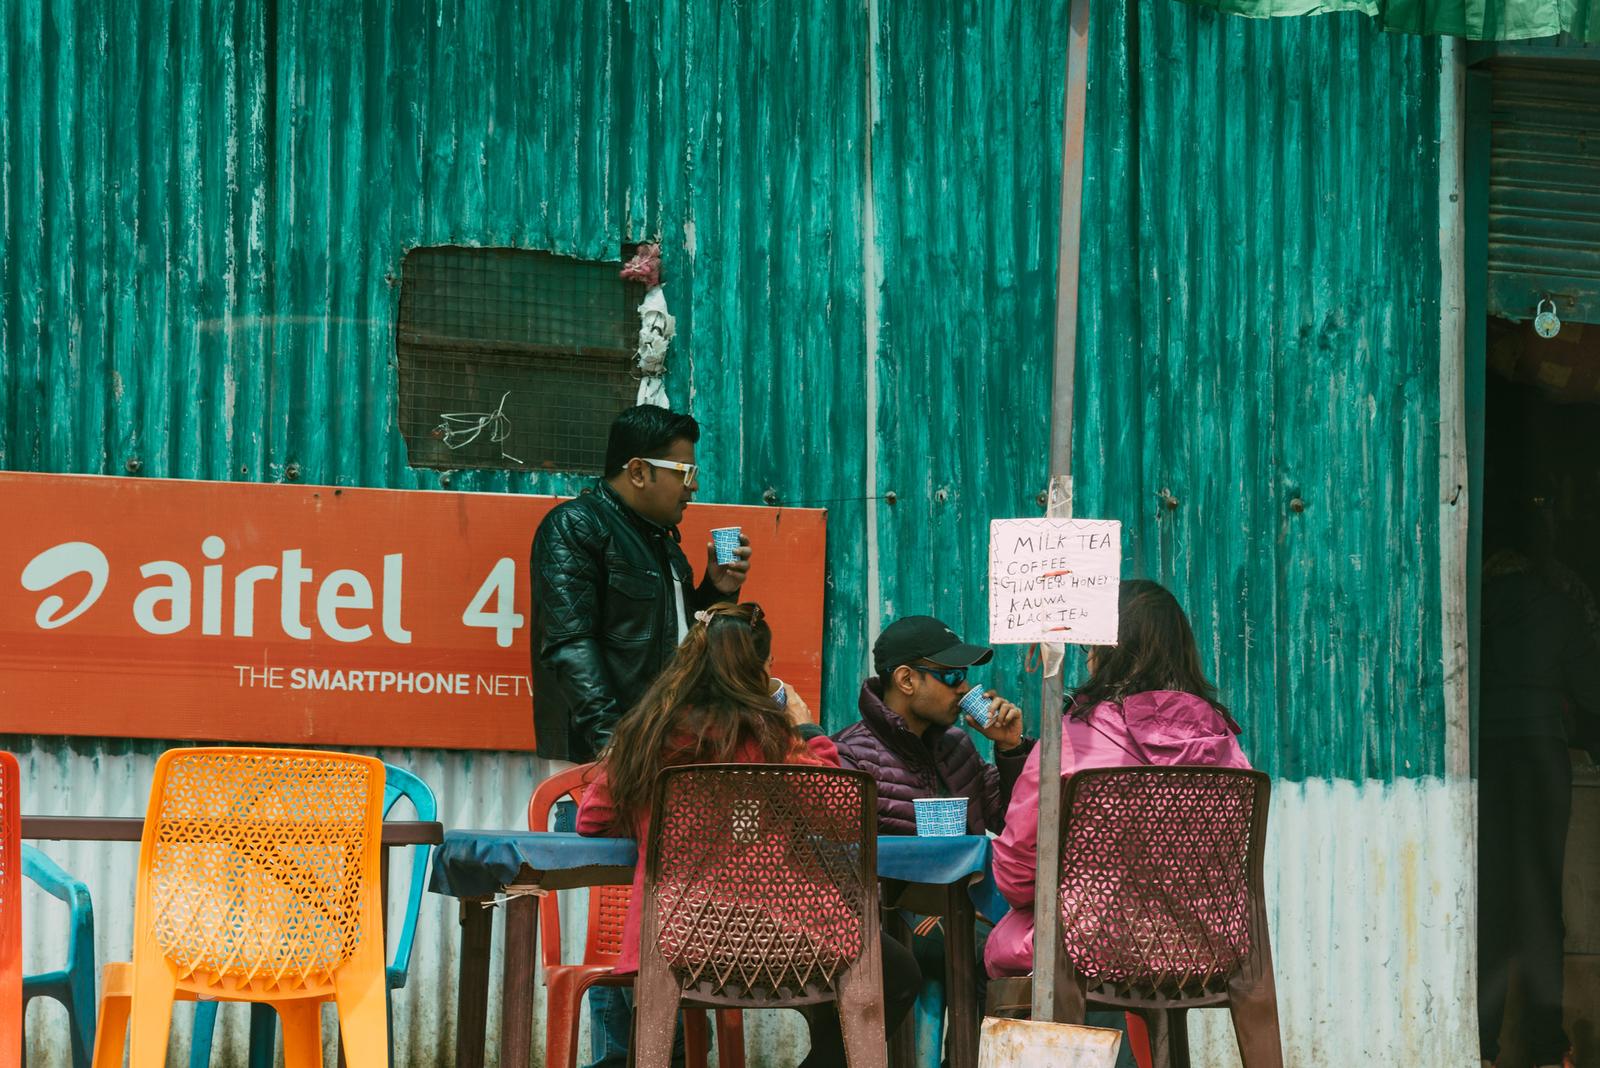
[(715, 704)]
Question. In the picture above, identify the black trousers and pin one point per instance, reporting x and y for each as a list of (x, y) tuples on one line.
[(1524, 805), (902, 978)]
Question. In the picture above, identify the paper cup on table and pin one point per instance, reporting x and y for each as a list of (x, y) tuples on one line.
[(724, 540), (976, 705), (940, 817)]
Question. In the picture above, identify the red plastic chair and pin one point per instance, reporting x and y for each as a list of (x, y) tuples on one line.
[(565, 984), (10, 912)]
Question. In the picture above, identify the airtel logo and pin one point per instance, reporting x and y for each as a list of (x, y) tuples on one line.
[(62, 562)]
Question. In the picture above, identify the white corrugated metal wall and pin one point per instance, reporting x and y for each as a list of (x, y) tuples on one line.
[(1347, 864), (94, 777)]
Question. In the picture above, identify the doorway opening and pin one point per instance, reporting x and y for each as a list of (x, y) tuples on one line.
[(1533, 157)]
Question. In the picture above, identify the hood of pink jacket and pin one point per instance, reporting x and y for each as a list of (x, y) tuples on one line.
[(1166, 727)]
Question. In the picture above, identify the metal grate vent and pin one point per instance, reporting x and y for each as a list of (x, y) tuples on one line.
[(512, 358)]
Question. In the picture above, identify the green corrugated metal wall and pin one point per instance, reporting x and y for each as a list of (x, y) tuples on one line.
[(1544, 188), (1260, 323), (205, 206), (966, 182)]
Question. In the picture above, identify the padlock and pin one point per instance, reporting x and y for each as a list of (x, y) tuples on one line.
[(1546, 323)]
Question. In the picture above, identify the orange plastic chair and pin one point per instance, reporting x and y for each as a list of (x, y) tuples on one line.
[(565, 984), (258, 881), (10, 912)]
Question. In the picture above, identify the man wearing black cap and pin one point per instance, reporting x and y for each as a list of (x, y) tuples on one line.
[(904, 738), (906, 742)]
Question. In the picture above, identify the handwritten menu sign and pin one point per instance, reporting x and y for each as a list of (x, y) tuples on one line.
[(1054, 580)]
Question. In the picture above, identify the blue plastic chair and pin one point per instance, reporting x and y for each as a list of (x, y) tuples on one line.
[(72, 985), (398, 783)]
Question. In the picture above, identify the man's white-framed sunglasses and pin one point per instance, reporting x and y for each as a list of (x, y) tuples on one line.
[(690, 471)]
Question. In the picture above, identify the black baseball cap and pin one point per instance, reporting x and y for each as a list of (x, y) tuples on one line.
[(924, 638)]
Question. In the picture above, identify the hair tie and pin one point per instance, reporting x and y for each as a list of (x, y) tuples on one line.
[(706, 615)]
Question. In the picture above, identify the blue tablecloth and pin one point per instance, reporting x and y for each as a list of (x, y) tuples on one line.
[(480, 863)]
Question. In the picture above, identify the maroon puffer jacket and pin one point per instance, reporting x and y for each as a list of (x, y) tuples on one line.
[(942, 763)]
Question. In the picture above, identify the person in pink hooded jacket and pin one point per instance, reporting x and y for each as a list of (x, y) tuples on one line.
[(1146, 701)]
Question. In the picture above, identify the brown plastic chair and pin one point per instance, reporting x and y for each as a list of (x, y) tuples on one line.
[(1162, 907), (565, 984), (761, 891)]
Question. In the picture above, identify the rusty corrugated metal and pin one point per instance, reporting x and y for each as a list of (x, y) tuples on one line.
[(205, 206)]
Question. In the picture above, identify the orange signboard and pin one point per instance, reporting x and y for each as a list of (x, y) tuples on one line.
[(310, 614)]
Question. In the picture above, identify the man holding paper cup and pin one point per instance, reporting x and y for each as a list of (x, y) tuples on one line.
[(905, 739), (924, 765), (613, 594)]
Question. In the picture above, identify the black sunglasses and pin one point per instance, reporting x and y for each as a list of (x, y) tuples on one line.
[(951, 677)]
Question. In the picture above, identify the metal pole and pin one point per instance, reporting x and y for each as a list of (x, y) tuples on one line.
[(1046, 918)]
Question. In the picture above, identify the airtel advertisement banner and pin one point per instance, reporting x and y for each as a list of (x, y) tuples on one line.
[(311, 614)]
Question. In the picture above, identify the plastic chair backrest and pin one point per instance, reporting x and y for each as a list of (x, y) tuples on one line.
[(760, 877), (399, 783), (258, 869), (54, 880), (10, 911), (1161, 875), (608, 905)]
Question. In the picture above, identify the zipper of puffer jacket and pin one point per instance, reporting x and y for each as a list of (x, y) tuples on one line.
[(945, 789)]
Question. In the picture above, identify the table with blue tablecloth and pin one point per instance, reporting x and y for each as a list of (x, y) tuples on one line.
[(947, 877)]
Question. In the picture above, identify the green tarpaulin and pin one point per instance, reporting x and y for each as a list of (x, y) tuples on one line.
[(1478, 20)]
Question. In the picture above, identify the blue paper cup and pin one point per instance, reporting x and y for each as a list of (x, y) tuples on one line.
[(976, 705), (725, 540), (940, 817), (780, 696)]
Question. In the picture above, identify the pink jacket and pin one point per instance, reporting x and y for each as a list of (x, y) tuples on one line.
[(1158, 727), (597, 813)]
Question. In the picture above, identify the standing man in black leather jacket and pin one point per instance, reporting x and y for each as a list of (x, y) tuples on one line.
[(613, 595), (612, 592)]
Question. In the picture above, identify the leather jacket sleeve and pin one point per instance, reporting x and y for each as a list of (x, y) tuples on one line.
[(567, 578), (706, 594)]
